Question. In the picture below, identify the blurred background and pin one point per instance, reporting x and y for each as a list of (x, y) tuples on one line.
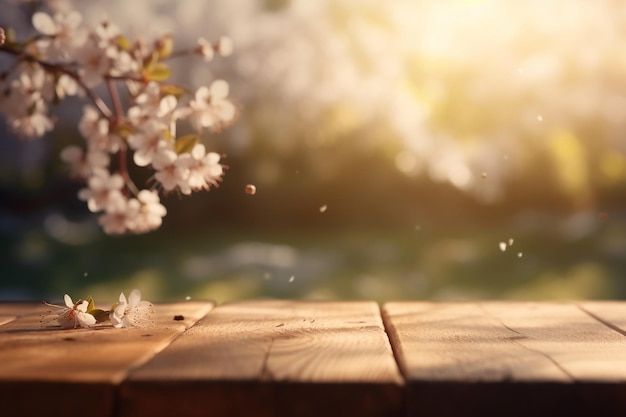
[(401, 149)]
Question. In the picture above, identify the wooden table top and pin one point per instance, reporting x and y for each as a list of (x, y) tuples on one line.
[(299, 358)]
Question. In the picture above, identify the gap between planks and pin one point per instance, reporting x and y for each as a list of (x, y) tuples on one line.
[(517, 358)]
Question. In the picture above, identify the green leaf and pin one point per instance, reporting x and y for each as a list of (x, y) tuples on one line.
[(90, 306), (164, 46), (59, 93), (124, 130), (157, 72), (186, 143), (123, 43), (100, 315), (11, 36), (172, 90)]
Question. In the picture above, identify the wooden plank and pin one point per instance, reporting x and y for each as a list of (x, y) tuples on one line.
[(514, 359), (49, 371), (583, 347), (610, 313), (448, 342), (273, 358), (10, 311), (6, 319)]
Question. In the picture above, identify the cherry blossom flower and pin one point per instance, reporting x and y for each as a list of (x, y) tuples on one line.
[(146, 142), (131, 313), (106, 32), (120, 215), (82, 165), (96, 130), (172, 169), (31, 84), (93, 63), (205, 49), (26, 108), (64, 32), (225, 46), (151, 106), (92, 124), (103, 188), (150, 98), (210, 108), (73, 315), (66, 86), (204, 170), (32, 124), (151, 212)]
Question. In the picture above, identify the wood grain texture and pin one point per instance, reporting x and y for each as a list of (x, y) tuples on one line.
[(514, 359), (49, 371), (273, 358), (584, 348), (10, 311), (610, 313)]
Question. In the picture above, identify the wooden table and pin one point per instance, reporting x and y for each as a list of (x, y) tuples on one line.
[(297, 358)]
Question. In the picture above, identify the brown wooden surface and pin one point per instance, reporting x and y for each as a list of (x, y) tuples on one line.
[(49, 371), (277, 358), (273, 358), (525, 358)]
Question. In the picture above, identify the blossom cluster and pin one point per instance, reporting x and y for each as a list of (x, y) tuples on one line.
[(131, 312), (69, 58)]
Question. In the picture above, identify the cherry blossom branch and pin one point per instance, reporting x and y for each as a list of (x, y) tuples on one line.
[(118, 114), (69, 58), (56, 68), (130, 184)]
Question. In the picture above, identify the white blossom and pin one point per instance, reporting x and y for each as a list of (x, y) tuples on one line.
[(146, 142), (66, 86), (102, 189), (34, 123), (64, 31), (96, 130), (73, 315), (151, 212), (225, 46), (132, 312), (205, 48), (204, 170), (210, 107), (25, 106), (121, 215), (81, 165), (172, 169), (93, 62)]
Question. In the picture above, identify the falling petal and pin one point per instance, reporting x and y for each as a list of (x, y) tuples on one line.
[(250, 189)]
